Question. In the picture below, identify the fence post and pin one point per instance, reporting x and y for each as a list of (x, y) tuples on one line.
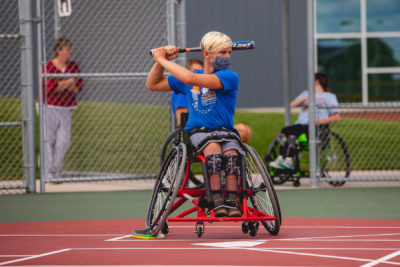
[(28, 112), (41, 115), (286, 61), (311, 94), (181, 29)]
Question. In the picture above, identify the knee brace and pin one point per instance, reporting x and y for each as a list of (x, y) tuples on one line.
[(292, 141), (282, 139), (292, 146), (229, 162), (214, 164)]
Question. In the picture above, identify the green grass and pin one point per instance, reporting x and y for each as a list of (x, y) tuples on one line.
[(370, 143), (113, 137), (10, 139), (118, 138), (264, 127)]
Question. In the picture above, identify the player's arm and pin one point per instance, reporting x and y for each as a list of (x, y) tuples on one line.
[(298, 101), (163, 55), (66, 84), (156, 80)]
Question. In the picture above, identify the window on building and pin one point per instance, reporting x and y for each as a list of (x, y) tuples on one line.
[(383, 52), (384, 87), (341, 60), (338, 16), (383, 15), (358, 46)]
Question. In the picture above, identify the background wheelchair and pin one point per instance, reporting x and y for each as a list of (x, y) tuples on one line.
[(259, 202), (333, 159)]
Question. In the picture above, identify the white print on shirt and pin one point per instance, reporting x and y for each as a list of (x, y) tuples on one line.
[(318, 101), (203, 101)]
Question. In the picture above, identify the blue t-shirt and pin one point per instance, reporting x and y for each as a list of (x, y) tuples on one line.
[(321, 99), (178, 101), (207, 107)]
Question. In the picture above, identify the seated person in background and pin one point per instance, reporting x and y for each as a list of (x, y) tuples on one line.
[(324, 116), (178, 101), (244, 131)]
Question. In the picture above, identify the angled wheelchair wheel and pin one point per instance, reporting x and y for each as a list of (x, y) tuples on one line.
[(334, 159), (165, 189), (263, 195), (169, 143)]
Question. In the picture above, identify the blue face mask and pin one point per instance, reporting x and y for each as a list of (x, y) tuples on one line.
[(221, 63)]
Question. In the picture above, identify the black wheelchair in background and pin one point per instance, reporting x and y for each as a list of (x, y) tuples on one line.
[(333, 159), (258, 200)]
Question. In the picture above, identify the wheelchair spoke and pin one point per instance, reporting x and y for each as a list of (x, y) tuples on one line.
[(335, 159), (165, 189)]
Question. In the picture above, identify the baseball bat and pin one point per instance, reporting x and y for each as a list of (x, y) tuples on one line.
[(240, 45)]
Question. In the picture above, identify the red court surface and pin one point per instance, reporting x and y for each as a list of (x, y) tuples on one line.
[(301, 242)]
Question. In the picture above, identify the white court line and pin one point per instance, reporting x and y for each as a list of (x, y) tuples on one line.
[(14, 256), (299, 226), (317, 255), (254, 249), (327, 237), (227, 248), (345, 240), (35, 256), (121, 239), (158, 265), (52, 235), (304, 239), (118, 238), (382, 260)]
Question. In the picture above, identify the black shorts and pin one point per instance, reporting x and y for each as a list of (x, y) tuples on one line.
[(298, 129)]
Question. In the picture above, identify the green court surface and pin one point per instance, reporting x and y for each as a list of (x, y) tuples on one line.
[(352, 203)]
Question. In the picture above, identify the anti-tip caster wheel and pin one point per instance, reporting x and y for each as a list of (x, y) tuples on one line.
[(199, 230), (165, 229), (245, 228), (253, 227)]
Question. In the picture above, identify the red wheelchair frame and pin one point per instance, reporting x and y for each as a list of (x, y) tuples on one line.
[(201, 198), (249, 213)]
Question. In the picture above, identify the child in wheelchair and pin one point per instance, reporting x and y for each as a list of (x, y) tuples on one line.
[(288, 136), (211, 94)]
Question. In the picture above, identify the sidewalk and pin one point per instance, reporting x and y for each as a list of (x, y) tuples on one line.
[(145, 184), (148, 184)]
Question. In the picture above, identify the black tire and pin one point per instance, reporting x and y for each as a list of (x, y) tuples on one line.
[(277, 176), (263, 195), (168, 144), (335, 159), (165, 189)]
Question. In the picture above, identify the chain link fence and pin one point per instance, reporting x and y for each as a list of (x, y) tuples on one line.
[(370, 135), (119, 126), (11, 151)]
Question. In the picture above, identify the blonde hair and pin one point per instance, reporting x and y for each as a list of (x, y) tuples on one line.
[(215, 41)]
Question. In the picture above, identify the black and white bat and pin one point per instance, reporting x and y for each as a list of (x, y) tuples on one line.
[(240, 45)]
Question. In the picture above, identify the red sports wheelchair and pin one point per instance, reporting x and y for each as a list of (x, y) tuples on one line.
[(259, 202)]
